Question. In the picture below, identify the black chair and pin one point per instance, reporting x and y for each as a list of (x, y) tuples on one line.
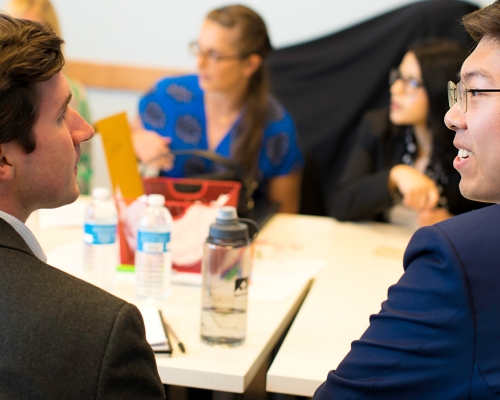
[(327, 84), (311, 191)]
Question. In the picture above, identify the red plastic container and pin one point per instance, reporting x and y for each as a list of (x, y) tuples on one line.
[(179, 194)]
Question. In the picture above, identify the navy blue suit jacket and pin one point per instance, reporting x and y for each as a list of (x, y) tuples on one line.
[(438, 333)]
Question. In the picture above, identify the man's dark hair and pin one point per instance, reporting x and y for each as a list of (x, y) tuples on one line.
[(484, 22), (30, 52)]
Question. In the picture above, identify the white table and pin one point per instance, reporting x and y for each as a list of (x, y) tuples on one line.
[(232, 369), (284, 238), (365, 260)]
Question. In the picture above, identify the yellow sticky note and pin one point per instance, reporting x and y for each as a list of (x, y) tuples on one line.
[(122, 163)]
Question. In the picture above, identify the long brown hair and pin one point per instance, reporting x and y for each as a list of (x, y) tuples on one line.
[(253, 39)]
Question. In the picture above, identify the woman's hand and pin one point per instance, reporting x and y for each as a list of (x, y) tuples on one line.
[(433, 216), (418, 190), (148, 145)]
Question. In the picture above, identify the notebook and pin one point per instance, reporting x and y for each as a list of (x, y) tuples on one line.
[(156, 332)]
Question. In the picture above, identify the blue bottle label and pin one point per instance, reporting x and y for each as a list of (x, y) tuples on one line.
[(99, 234), (153, 242)]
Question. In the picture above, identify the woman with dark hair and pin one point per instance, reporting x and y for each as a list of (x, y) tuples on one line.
[(226, 108), (401, 169)]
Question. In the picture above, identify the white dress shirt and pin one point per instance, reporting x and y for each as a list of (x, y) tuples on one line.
[(26, 234)]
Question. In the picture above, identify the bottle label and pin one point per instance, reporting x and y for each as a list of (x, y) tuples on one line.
[(153, 242), (99, 234)]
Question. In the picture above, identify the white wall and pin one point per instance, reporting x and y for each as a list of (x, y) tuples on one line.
[(155, 33)]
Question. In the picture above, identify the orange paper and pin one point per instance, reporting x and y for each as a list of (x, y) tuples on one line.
[(120, 157)]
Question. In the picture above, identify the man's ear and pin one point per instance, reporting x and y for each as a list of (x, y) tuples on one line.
[(6, 161), (252, 64)]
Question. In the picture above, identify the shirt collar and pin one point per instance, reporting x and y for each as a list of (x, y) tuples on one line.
[(26, 234)]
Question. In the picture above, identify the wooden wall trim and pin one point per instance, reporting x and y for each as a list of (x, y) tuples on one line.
[(124, 77)]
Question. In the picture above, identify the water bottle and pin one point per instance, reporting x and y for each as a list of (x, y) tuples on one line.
[(153, 260), (226, 267), (100, 254)]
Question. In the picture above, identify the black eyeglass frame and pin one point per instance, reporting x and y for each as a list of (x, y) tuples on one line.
[(194, 49), (395, 75), (453, 94)]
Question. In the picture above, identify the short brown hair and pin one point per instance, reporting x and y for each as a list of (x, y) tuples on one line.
[(30, 52), (484, 22)]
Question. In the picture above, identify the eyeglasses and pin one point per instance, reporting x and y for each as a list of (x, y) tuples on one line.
[(212, 55), (410, 84), (458, 94)]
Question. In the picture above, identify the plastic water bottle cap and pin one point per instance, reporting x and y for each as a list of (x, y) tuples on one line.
[(156, 200), (227, 213), (227, 226), (101, 193)]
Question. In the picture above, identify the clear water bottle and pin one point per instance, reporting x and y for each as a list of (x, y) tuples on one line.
[(100, 254), (226, 269), (153, 260)]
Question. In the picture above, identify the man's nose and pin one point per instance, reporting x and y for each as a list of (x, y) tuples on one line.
[(80, 129), (455, 119)]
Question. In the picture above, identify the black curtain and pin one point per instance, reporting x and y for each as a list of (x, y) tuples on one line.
[(327, 84)]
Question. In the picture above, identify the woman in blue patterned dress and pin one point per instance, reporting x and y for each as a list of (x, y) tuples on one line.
[(226, 108)]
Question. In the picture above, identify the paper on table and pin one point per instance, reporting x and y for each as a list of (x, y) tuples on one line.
[(271, 280), (155, 334), (278, 280), (185, 278)]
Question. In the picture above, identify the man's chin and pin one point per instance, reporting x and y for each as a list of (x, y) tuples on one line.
[(476, 194), (73, 196), (466, 191), (67, 198)]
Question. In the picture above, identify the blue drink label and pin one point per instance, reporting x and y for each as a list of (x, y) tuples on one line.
[(153, 242), (99, 234)]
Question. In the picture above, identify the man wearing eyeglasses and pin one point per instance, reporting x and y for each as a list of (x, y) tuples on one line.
[(438, 334)]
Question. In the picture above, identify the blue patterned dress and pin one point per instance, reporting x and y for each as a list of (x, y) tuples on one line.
[(174, 108)]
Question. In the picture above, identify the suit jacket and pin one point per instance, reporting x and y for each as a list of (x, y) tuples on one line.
[(438, 334), (62, 338), (362, 192)]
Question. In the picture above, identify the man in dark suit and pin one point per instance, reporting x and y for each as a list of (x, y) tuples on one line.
[(438, 334), (61, 338)]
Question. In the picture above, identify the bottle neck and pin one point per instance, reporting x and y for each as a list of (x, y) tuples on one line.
[(228, 242)]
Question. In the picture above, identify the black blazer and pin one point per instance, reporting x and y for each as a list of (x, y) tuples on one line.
[(62, 338), (362, 193)]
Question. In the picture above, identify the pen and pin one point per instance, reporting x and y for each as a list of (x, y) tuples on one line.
[(168, 328), (161, 350)]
